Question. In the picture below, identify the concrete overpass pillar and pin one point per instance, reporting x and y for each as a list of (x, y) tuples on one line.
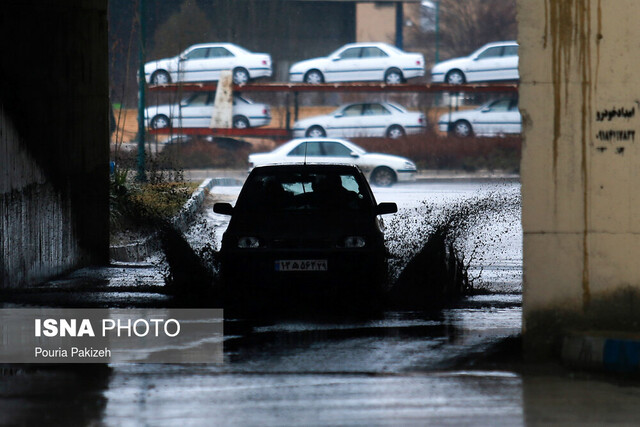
[(580, 100), (54, 138)]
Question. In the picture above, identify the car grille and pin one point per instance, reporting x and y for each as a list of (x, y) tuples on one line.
[(302, 243)]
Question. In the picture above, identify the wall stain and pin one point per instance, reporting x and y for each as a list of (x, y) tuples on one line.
[(569, 27)]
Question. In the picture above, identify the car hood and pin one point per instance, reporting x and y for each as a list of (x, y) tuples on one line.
[(315, 120), (309, 63), (160, 63), (377, 159), (444, 66), (160, 109), (322, 225), (456, 115)]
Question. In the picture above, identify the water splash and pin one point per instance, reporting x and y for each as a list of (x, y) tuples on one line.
[(433, 250)]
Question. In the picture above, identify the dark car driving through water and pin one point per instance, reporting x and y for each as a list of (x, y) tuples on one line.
[(304, 230)]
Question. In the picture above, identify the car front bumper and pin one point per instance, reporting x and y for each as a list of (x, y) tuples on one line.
[(414, 130), (443, 126), (260, 72), (410, 73), (437, 77), (257, 121), (252, 271), (406, 175), (296, 77)]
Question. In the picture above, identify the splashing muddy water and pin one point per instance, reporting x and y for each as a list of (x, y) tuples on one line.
[(440, 242)]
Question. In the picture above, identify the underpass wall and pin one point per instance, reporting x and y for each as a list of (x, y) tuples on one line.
[(580, 168), (54, 182)]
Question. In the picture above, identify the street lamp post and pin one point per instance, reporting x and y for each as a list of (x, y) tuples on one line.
[(399, 25), (437, 13), (141, 176)]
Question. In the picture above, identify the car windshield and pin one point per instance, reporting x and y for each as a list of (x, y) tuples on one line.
[(241, 99), (286, 191), (394, 49), (397, 107), (237, 48), (504, 104), (196, 99), (338, 51)]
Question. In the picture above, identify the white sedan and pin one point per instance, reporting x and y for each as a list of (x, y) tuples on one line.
[(360, 62), (196, 110), (380, 169), (498, 117), (204, 62), (363, 119), (492, 62)]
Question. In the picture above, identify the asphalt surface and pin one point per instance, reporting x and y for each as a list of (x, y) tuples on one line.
[(460, 365)]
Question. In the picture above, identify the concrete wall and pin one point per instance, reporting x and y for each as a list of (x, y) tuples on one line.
[(580, 168), (53, 138)]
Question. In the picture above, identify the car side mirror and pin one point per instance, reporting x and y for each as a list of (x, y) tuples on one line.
[(385, 208), (223, 208), (338, 115), (335, 58), (354, 154), (486, 109)]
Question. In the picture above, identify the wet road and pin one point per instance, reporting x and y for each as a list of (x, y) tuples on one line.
[(456, 366)]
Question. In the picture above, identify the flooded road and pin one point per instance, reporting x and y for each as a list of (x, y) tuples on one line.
[(453, 366), (400, 367)]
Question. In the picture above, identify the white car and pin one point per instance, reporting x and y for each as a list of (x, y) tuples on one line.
[(204, 62), (360, 62), (380, 169), (196, 110), (498, 117), (363, 119), (493, 61)]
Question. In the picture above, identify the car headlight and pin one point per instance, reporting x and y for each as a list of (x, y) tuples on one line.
[(248, 242), (354, 242), (409, 165)]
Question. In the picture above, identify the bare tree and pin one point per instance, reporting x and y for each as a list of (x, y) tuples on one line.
[(186, 27), (465, 25)]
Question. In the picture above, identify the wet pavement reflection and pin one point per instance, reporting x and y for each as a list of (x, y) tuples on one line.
[(455, 366)]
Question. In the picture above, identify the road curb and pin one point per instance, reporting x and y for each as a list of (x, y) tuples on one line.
[(604, 351), (139, 251), (191, 207)]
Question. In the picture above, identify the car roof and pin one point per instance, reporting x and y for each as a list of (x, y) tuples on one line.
[(308, 167), (502, 43), (297, 141), (224, 44), (366, 44)]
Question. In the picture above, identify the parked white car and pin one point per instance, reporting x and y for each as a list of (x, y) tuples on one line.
[(196, 110), (493, 61), (363, 119), (204, 62), (381, 169), (360, 62), (499, 117)]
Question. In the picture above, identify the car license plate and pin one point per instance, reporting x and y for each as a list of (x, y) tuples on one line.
[(302, 265)]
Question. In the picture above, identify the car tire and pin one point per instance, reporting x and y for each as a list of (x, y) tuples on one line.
[(315, 132), (241, 76), (383, 176), (395, 132), (160, 122), (313, 77), (455, 77), (393, 76), (160, 77), (462, 129), (240, 122)]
